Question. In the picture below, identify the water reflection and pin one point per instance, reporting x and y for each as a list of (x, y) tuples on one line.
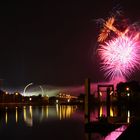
[(24, 113), (16, 115), (116, 133), (101, 111), (27, 115), (30, 114), (46, 111), (128, 116), (64, 112), (112, 113), (6, 116)]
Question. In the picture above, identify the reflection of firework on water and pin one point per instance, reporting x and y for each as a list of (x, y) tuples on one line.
[(119, 48)]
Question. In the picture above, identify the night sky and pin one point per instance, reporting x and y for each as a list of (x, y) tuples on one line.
[(54, 42)]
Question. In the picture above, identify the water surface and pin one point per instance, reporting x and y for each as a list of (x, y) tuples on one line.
[(41, 122)]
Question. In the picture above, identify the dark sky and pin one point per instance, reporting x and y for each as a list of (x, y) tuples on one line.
[(53, 42)]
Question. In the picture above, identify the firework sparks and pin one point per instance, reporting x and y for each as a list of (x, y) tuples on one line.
[(108, 25), (107, 28), (120, 57), (120, 54)]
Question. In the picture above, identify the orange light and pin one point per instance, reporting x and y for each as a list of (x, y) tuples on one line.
[(127, 88)]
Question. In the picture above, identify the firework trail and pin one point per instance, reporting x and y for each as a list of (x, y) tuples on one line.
[(119, 48)]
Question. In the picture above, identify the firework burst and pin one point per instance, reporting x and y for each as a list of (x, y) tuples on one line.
[(119, 53), (120, 56)]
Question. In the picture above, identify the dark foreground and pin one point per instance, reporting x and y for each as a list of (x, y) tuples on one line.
[(41, 122), (50, 130), (132, 132)]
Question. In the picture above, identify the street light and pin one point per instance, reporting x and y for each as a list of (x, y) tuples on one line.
[(127, 89), (16, 93)]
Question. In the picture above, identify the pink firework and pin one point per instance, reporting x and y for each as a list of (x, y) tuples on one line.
[(120, 56)]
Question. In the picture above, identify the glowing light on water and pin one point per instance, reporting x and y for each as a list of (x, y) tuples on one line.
[(116, 133), (16, 115), (24, 113), (128, 116), (6, 117)]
